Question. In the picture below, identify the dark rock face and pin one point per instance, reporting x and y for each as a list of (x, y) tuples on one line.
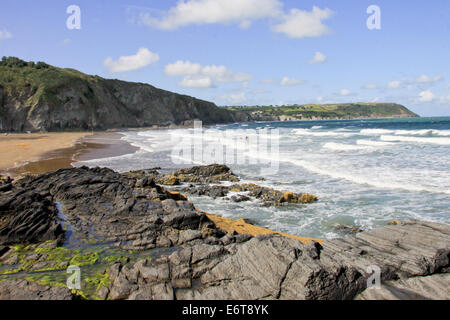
[(28, 216), (28, 290), (65, 99), (133, 213)]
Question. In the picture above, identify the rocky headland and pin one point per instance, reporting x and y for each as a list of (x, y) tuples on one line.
[(136, 239)]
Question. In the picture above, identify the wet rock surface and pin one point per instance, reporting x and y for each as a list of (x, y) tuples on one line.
[(205, 181), (268, 196), (213, 173), (131, 211)]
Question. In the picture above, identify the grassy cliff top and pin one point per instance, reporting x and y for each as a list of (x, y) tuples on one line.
[(344, 110)]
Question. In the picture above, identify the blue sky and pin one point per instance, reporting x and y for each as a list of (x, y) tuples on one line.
[(248, 52)]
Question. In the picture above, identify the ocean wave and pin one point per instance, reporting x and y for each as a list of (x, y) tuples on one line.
[(308, 132), (376, 131), (363, 179), (421, 132), (344, 147), (373, 143), (424, 132), (440, 141)]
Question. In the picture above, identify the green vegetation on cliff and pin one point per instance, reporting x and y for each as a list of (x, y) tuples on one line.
[(326, 111), (37, 96)]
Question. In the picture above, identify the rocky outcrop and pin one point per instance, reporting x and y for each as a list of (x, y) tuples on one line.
[(268, 196), (270, 267), (214, 173), (205, 181), (133, 213)]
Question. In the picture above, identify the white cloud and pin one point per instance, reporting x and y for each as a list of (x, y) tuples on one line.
[(426, 96), (5, 34), (427, 79), (395, 84), (196, 82), (295, 23), (291, 82), (370, 86), (199, 76), (198, 12), (319, 99), (234, 98), (319, 57), (345, 92), (182, 68), (301, 24), (141, 59)]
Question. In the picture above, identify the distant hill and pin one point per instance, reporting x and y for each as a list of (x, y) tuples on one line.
[(37, 96), (325, 111)]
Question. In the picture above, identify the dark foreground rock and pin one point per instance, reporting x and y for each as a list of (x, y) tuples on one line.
[(28, 290), (269, 267), (133, 212), (130, 212), (28, 216)]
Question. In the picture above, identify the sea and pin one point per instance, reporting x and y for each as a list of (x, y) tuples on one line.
[(365, 172)]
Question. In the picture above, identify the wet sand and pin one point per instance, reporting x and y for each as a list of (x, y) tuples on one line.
[(40, 153)]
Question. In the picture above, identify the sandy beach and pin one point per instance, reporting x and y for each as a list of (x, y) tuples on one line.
[(18, 149), (42, 152)]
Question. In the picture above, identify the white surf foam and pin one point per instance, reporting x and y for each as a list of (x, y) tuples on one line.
[(440, 141), (376, 131), (362, 179), (344, 147), (307, 132), (363, 142)]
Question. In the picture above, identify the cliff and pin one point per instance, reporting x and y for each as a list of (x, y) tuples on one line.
[(37, 96)]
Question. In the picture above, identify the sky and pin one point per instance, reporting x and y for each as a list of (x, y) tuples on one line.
[(247, 52)]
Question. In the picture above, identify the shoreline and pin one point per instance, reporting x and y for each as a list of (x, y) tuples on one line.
[(22, 149), (65, 151)]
